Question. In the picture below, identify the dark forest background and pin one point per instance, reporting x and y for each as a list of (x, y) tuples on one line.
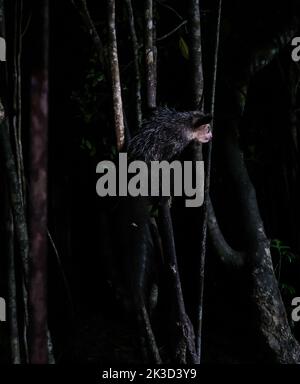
[(74, 292)]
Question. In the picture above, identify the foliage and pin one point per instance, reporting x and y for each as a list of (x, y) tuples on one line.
[(282, 258)]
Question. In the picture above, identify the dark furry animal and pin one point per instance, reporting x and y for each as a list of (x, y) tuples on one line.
[(167, 132), (163, 136)]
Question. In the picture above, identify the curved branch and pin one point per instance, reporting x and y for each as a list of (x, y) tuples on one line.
[(273, 325), (173, 31), (170, 8), (263, 55), (82, 9), (227, 255)]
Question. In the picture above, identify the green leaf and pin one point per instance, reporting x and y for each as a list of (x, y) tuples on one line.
[(88, 145), (184, 48), (288, 289)]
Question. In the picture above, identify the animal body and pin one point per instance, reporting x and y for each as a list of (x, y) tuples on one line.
[(167, 132), (163, 137)]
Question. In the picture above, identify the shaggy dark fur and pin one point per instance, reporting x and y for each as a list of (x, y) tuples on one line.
[(165, 134)]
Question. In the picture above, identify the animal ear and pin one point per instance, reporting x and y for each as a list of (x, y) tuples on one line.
[(198, 121)]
